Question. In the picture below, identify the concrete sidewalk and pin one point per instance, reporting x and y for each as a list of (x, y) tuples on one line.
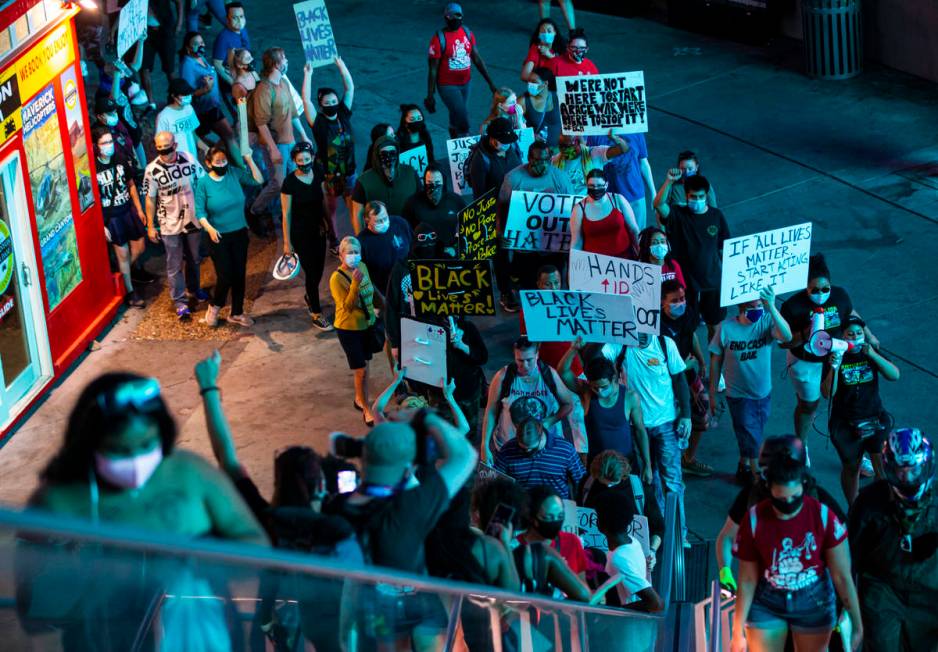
[(857, 158)]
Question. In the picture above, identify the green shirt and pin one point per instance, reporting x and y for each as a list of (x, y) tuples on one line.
[(221, 201)]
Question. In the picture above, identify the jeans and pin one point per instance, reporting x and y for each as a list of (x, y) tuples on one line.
[(666, 466), (180, 248), (456, 99), (230, 257), (749, 417), (216, 7), (275, 176)]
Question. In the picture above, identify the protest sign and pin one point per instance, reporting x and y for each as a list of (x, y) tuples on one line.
[(315, 32), (591, 272), (563, 315), (582, 521), (776, 258), (423, 352), (486, 473), (131, 25), (478, 229), (591, 105), (457, 151), (539, 221), (416, 158), (452, 287)]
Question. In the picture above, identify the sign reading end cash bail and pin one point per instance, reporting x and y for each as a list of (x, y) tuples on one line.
[(591, 105), (776, 258)]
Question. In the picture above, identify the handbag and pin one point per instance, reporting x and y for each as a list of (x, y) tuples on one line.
[(866, 428)]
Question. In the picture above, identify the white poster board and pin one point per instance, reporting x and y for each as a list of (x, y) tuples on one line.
[(312, 19), (591, 272), (415, 158), (582, 521), (591, 105), (423, 352), (457, 151), (131, 25), (564, 315), (776, 258), (539, 221)]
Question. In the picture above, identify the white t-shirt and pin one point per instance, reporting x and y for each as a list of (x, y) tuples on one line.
[(648, 375), (181, 123), (628, 561)]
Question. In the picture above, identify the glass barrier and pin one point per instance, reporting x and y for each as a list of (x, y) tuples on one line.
[(71, 585)]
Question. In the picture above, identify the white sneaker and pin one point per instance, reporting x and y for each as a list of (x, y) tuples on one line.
[(807, 457), (211, 316), (241, 320), (866, 467)]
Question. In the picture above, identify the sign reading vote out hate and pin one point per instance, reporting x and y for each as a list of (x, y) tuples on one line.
[(315, 32), (591, 105), (457, 150), (776, 258), (452, 287), (478, 230), (131, 25), (416, 158), (591, 272), (564, 315), (539, 221)]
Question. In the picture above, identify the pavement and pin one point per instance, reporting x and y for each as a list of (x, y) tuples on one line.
[(857, 158)]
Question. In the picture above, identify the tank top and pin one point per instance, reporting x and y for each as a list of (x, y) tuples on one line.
[(607, 236), (523, 386), (608, 427)]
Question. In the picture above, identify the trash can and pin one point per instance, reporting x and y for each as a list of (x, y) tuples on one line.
[(832, 38)]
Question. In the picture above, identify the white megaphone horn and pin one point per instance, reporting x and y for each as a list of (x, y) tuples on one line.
[(821, 343)]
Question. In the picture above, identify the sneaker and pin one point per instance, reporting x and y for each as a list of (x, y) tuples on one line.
[(508, 303), (866, 467), (201, 295), (134, 300), (241, 320), (321, 323), (183, 313), (211, 316), (696, 467), (743, 475)]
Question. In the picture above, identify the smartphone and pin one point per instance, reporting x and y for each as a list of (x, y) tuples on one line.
[(348, 481), (502, 516)]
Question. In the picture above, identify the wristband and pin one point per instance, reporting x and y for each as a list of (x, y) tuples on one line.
[(206, 390)]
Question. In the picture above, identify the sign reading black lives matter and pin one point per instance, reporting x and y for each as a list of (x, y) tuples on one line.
[(312, 18), (591, 105), (452, 287), (563, 315), (478, 230)]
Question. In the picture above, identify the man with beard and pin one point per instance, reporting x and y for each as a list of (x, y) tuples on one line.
[(387, 181), (436, 206)]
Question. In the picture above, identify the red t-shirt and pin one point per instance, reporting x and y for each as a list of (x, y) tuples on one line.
[(671, 270), (564, 66), (790, 553), (552, 352), (539, 60), (570, 548), (455, 57)]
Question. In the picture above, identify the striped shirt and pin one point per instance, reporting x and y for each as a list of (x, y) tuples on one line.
[(554, 466)]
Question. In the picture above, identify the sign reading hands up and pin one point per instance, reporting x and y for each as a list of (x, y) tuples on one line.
[(315, 32)]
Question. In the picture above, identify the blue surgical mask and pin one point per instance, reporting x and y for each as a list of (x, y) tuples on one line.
[(697, 206), (688, 173), (859, 342), (659, 251), (546, 38), (754, 314), (820, 299), (533, 89), (678, 309)]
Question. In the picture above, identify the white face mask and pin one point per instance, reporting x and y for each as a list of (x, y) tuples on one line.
[(185, 100), (381, 227), (107, 151), (697, 205), (533, 89), (128, 472), (352, 260), (820, 299), (110, 120), (659, 251)]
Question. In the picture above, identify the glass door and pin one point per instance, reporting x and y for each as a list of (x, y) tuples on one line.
[(25, 360)]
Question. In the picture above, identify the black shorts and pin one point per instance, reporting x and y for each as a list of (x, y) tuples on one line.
[(357, 346), (708, 306), (207, 120), (160, 41), (124, 227), (849, 446)]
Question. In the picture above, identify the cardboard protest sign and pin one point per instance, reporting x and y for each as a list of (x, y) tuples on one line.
[(478, 228), (591, 272), (452, 287), (539, 221), (582, 521), (777, 258), (563, 315), (486, 473), (423, 352), (315, 32), (591, 105), (131, 25), (457, 151), (416, 158)]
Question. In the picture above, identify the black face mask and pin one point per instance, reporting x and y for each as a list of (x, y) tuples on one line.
[(548, 529), (413, 127), (453, 23), (167, 151), (199, 50), (305, 167), (596, 193), (786, 507), (330, 111), (220, 170)]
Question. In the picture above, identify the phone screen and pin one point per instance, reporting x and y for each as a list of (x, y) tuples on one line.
[(502, 516), (347, 481)]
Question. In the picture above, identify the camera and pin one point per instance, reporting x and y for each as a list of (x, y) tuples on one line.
[(346, 447)]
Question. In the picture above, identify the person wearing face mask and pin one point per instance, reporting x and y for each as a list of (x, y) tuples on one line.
[(537, 457), (545, 527), (603, 223), (379, 130), (388, 181), (577, 160), (858, 421), (219, 207), (331, 121), (493, 157), (179, 118), (793, 555), (541, 108), (232, 37), (653, 248), (630, 174), (124, 217), (355, 320), (244, 76), (548, 278), (385, 241), (435, 205), (574, 61), (452, 52), (106, 114), (505, 105), (206, 98), (400, 299), (689, 165), (741, 349), (413, 131), (805, 368), (696, 233), (306, 228), (545, 45)]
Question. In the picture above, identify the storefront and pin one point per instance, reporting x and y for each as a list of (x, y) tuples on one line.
[(57, 291)]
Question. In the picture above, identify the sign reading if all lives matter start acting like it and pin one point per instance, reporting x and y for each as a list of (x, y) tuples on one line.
[(776, 258)]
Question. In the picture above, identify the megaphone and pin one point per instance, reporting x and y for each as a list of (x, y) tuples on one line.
[(821, 343)]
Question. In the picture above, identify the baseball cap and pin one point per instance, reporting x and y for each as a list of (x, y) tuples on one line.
[(104, 105), (500, 129), (180, 86), (527, 408), (452, 8), (389, 448)]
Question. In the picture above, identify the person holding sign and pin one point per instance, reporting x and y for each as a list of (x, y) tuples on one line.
[(748, 371), (576, 160), (603, 223), (413, 131), (452, 52)]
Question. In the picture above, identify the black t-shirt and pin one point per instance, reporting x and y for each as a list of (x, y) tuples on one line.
[(696, 243), (798, 309), (857, 395), (441, 217), (380, 251), (307, 213), (652, 509), (335, 144), (681, 330), (115, 192), (749, 496), (466, 368)]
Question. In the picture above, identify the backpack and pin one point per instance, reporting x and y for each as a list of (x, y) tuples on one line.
[(511, 372), (441, 35), (474, 151)]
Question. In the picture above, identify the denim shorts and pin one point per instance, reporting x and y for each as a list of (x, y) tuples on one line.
[(749, 416), (812, 610)]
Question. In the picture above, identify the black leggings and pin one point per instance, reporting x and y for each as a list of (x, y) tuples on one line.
[(230, 257), (312, 252)]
